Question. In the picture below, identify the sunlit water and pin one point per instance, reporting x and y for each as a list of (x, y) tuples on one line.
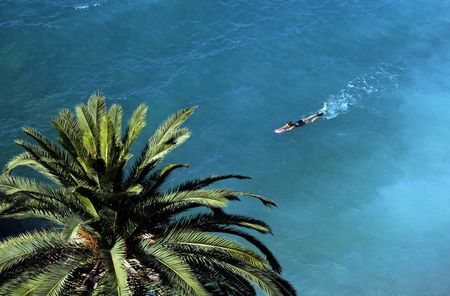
[(363, 194)]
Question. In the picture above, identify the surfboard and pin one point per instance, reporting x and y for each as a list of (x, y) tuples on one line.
[(280, 130)]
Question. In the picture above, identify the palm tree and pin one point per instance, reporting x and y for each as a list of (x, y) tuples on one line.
[(117, 228)]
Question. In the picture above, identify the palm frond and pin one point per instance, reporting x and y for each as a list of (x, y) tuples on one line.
[(70, 135), (205, 220), (172, 203), (229, 194), (50, 282), (156, 154), (165, 130), (116, 266), (212, 223), (204, 182), (107, 143), (13, 185), (220, 195), (56, 160), (266, 280), (157, 178), (264, 200), (89, 130), (71, 228), (270, 257), (174, 268), (21, 191), (26, 159), (134, 128), (104, 285), (45, 165), (57, 154), (217, 280), (167, 137), (34, 209), (198, 241), (16, 249), (97, 107), (89, 206), (229, 283), (116, 114)]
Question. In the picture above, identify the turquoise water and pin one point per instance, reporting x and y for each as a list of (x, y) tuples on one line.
[(364, 206)]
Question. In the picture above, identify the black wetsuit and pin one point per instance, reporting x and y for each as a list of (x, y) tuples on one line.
[(299, 123)]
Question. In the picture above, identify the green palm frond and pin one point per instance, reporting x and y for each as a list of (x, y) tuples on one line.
[(167, 137), (46, 165), (50, 156), (107, 142), (34, 209), (26, 159), (16, 249), (205, 220), (264, 279), (105, 285), (50, 282), (116, 266), (228, 283), (172, 203), (134, 128), (71, 228), (212, 223), (165, 130), (101, 289), (154, 156), (204, 182), (156, 179), (88, 206), (22, 159), (58, 155), (14, 185), (174, 268), (97, 107), (24, 192), (271, 259), (220, 195), (225, 193), (264, 200), (25, 285), (202, 242), (71, 136), (217, 280), (116, 114), (88, 129)]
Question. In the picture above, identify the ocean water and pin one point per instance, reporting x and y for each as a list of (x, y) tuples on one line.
[(363, 193)]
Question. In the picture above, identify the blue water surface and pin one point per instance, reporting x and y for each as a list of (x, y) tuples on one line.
[(363, 194)]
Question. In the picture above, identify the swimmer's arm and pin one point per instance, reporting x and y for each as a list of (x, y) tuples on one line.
[(290, 128)]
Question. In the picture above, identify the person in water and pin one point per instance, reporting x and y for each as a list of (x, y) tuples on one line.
[(304, 121)]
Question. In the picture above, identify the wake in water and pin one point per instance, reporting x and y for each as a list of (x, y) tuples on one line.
[(86, 6), (382, 78)]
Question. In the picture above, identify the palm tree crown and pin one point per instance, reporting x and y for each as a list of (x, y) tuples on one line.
[(116, 229)]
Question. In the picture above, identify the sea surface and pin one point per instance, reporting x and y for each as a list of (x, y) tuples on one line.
[(363, 193)]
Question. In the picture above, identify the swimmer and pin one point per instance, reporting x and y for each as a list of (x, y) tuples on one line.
[(302, 122)]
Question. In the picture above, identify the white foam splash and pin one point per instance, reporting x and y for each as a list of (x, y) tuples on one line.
[(81, 7), (86, 6), (383, 77)]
